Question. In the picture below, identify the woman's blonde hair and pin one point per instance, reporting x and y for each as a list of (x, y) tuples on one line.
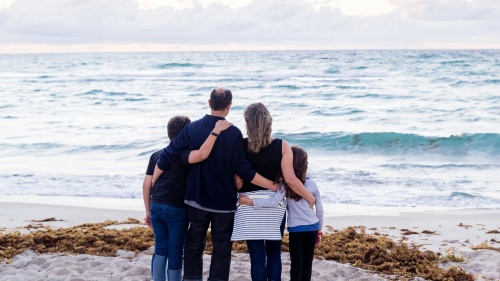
[(259, 126)]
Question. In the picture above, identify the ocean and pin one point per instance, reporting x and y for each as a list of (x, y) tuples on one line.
[(385, 128)]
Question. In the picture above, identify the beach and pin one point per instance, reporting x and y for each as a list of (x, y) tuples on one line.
[(446, 232)]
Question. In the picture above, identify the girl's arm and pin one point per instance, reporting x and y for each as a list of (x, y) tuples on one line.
[(264, 203), (146, 195), (201, 154), (289, 175), (319, 206)]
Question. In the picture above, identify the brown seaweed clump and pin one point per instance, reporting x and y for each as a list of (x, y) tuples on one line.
[(90, 238), (375, 253), (383, 255)]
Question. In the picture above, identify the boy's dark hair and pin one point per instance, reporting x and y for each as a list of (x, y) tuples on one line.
[(175, 125), (220, 98), (300, 168)]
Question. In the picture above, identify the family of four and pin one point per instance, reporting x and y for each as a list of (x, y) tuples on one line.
[(197, 180)]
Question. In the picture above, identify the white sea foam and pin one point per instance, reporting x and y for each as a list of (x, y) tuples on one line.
[(383, 128)]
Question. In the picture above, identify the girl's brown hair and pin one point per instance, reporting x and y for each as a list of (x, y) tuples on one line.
[(300, 169), (259, 126)]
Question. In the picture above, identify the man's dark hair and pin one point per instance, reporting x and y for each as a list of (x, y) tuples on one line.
[(220, 98), (175, 125)]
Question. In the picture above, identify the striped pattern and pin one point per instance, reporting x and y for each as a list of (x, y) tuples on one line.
[(258, 224)]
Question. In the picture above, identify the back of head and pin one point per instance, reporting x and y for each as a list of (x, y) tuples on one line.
[(220, 99), (300, 162), (175, 125), (259, 126), (300, 168)]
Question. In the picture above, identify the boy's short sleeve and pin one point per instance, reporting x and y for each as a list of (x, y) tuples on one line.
[(152, 163), (184, 157)]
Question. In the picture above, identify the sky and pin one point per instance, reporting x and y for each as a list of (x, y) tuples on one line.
[(39, 26)]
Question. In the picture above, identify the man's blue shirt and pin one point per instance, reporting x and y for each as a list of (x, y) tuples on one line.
[(210, 183)]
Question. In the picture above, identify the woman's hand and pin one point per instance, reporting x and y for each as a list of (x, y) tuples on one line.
[(238, 182), (221, 125), (311, 202), (245, 200)]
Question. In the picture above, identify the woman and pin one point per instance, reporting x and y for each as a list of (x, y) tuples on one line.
[(262, 229), (304, 223)]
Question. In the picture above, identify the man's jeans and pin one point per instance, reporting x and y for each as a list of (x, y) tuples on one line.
[(221, 225), (169, 226)]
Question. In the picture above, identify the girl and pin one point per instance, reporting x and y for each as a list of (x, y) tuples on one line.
[(262, 229), (304, 224)]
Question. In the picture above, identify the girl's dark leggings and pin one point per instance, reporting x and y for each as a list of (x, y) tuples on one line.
[(301, 246)]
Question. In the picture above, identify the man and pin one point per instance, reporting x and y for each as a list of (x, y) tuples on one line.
[(163, 198), (211, 194)]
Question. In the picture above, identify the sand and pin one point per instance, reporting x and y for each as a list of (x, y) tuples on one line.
[(440, 231)]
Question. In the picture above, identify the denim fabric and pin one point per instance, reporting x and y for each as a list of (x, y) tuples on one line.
[(265, 258), (221, 229), (175, 274), (158, 267), (169, 226)]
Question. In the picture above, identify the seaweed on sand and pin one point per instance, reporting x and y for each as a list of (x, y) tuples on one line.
[(370, 252)]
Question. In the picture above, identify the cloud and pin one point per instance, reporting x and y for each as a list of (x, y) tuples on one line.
[(447, 10), (414, 23)]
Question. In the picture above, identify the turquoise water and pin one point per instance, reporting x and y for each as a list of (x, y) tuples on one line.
[(382, 128)]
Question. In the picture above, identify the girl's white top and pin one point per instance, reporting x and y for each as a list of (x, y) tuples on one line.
[(299, 212)]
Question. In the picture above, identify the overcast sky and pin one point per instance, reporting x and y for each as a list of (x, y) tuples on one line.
[(163, 25)]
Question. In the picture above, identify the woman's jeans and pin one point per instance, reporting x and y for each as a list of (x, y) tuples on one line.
[(169, 226), (301, 254), (265, 258)]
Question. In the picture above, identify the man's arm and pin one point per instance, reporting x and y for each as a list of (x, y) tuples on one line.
[(199, 155), (169, 154), (244, 169), (263, 182)]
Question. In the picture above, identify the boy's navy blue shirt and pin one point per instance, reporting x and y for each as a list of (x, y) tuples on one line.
[(170, 188), (210, 183)]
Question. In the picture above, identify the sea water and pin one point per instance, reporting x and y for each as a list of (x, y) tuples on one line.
[(400, 128)]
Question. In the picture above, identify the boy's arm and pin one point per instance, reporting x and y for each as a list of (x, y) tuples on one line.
[(264, 203), (201, 154), (146, 195)]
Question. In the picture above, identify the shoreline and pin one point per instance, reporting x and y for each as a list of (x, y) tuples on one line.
[(445, 232), (136, 204)]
